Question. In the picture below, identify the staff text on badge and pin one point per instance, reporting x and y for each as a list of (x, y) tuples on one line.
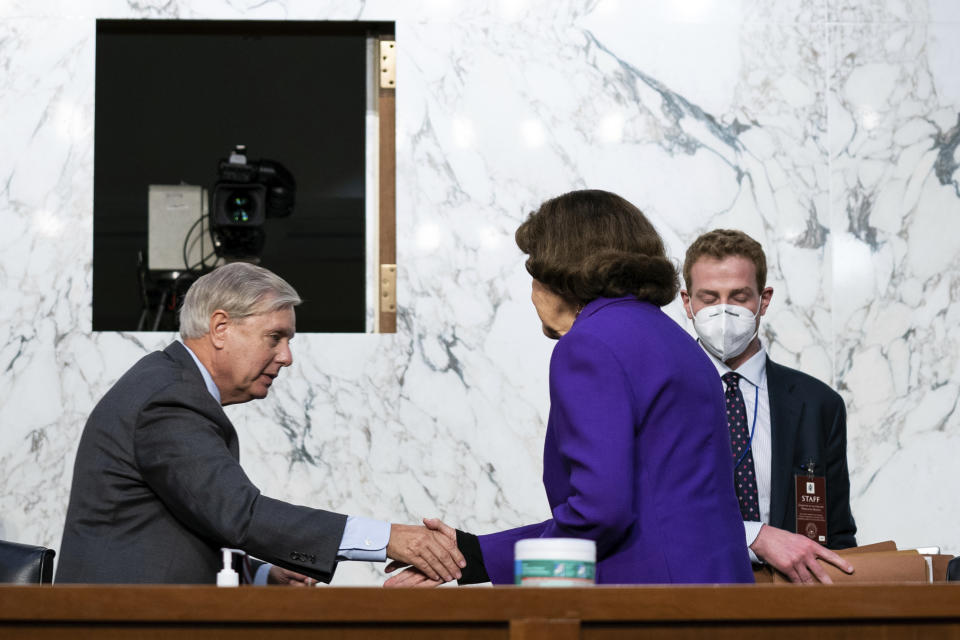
[(811, 492)]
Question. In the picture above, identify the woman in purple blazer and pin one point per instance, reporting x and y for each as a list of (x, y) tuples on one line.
[(637, 452)]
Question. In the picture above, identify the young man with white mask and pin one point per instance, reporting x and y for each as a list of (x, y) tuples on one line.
[(784, 424)]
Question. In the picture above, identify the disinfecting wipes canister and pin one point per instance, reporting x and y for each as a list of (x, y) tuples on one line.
[(554, 562)]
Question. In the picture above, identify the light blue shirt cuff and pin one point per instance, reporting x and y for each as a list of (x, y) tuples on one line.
[(364, 539), (752, 529), (260, 579)]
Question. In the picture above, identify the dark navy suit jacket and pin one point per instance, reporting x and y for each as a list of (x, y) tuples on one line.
[(808, 421), (637, 455), (158, 489)]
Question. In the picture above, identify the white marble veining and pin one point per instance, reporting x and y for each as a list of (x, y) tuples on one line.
[(894, 211), (827, 129)]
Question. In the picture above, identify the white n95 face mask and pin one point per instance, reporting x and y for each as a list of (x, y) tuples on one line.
[(726, 329)]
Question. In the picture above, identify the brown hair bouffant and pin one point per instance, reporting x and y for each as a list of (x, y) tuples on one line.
[(722, 243), (592, 244)]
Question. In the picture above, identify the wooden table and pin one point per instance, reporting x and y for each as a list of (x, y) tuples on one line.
[(725, 612)]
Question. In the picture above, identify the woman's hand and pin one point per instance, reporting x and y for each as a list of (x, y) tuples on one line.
[(409, 578), (285, 577)]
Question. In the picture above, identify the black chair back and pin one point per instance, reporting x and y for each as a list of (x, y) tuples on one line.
[(25, 564), (953, 570)]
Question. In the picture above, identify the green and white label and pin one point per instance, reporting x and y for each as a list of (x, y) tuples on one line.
[(555, 572)]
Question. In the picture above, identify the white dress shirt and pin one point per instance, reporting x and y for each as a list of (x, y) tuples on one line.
[(756, 396)]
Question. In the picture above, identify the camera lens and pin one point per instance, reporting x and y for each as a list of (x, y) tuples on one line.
[(240, 206)]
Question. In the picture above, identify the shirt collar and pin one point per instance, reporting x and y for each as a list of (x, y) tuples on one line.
[(753, 370), (207, 378)]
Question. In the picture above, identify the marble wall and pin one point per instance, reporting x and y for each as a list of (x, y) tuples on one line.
[(828, 129)]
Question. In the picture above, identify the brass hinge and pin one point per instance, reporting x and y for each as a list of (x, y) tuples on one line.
[(388, 288), (388, 64)]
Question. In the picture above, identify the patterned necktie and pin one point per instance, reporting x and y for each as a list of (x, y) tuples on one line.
[(744, 475)]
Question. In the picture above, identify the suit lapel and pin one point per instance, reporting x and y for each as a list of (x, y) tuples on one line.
[(179, 354), (785, 411)]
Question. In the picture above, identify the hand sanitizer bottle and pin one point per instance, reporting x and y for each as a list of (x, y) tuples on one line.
[(227, 577)]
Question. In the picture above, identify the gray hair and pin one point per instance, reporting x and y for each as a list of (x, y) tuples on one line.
[(239, 288)]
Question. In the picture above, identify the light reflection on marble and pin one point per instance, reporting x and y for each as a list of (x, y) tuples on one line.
[(826, 128)]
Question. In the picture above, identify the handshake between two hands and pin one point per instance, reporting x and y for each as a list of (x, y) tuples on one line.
[(429, 551)]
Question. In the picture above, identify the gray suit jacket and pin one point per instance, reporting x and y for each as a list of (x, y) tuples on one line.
[(158, 489), (808, 421)]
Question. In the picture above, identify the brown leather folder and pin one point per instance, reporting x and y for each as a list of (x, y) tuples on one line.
[(877, 562), (880, 566), (763, 574), (940, 562), (886, 545), (937, 562)]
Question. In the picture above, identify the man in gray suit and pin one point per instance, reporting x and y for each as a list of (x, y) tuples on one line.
[(157, 486)]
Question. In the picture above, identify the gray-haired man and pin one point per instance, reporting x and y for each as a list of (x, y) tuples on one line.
[(157, 486)]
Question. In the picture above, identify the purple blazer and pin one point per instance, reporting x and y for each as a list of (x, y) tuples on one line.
[(637, 454)]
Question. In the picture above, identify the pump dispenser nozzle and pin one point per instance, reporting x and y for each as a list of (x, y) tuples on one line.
[(227, 577)]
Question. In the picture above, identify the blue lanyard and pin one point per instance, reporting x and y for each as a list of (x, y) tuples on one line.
[(756, 403)]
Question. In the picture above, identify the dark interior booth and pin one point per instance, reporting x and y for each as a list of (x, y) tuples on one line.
[(174, 99)]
